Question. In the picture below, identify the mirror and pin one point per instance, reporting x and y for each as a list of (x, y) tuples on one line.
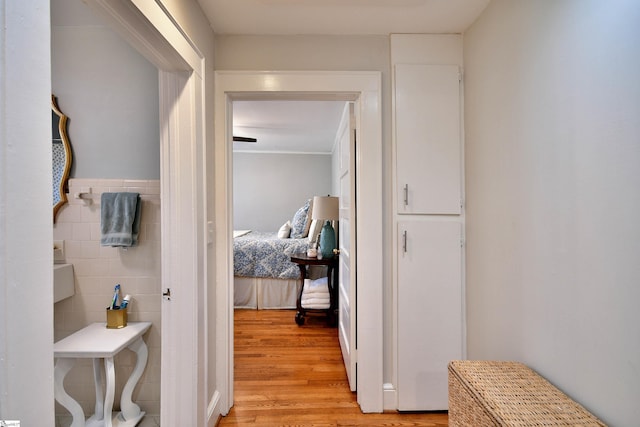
[(61, 156)]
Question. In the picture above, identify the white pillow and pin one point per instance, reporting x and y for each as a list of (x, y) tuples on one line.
[(314, 230), (285, 230)]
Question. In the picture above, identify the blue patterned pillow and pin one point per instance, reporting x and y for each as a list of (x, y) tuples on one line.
[(299, 227)]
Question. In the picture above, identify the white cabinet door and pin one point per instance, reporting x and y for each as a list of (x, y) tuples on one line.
[(428, 143), (429, 311)]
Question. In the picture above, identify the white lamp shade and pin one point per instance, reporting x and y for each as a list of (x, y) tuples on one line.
[(325, 208)]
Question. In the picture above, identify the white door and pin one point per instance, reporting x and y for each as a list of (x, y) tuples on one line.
[(182, 397), (346, 244), (429, 311), (428, 149)]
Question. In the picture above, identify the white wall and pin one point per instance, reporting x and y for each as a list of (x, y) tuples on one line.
[(268, 188), (552, 99), (26, 277), (110, 94), (26, 338)]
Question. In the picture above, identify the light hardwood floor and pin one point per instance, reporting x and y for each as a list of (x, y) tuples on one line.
[(286, 375)]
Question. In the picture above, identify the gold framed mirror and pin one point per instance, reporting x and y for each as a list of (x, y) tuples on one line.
[(61, 156)]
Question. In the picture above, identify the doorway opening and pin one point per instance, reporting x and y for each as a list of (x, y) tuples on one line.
[(363, 89), (263, 151), (284, 154)]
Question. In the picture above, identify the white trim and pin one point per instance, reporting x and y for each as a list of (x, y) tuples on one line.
[(213, 410), (173, 33), (311, 153), (130, 21), (366, 88), (390, 397)]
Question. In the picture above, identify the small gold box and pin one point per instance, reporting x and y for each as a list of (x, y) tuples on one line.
[(116, 319)]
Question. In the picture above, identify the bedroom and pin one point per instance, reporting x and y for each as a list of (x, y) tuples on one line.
[(292, 160)]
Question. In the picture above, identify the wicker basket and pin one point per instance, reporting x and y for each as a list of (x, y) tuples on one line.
[(489, 393)]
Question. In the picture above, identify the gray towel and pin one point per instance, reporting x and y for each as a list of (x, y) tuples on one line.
[(120, 219)]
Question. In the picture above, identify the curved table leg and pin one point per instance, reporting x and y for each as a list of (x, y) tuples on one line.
[(129, 409), (61, 369), (97, 380), (110, 390)]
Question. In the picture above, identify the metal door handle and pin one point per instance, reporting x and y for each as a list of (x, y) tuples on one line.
[(406, 194), (404, 241)]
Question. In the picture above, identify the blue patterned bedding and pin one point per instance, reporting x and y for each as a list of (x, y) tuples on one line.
[(263, 254)]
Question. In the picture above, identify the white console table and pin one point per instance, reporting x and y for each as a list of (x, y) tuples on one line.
[(97, 342)]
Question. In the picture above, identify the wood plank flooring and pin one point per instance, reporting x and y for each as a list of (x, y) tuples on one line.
[(286, 375)]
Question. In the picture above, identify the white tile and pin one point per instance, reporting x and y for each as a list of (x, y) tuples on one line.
[(81, 231), (62, 230), (90, 249), (111, 182), (91, 212), (72, 249)]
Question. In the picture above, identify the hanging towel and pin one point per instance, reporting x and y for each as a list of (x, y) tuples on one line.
[(120, 219)]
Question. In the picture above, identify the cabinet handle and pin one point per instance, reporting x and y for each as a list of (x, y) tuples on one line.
[(404, 241), (406, 194)]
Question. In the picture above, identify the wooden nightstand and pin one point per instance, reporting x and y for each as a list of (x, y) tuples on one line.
[(332, 277)]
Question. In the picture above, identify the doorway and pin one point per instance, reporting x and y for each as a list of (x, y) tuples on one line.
[(363, 88), (284, 154)]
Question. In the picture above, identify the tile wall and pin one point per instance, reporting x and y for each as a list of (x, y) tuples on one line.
[(97, 269)]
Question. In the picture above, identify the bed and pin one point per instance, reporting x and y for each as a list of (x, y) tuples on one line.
[(264, 276)]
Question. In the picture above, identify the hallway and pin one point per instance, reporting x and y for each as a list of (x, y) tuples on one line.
[(290, 375)]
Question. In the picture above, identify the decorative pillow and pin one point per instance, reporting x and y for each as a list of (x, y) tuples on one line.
[(307, 225), (299, 223), (314, 230), (285, 230)]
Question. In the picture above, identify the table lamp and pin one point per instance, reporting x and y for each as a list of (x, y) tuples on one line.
[(325, 208)]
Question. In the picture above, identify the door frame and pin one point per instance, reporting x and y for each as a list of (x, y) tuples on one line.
[(365, 87)]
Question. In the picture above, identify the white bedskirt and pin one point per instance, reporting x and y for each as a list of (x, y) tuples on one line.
[(264, 293)]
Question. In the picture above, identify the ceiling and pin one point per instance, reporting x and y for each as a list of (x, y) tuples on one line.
[(341, 17), (287, 126)]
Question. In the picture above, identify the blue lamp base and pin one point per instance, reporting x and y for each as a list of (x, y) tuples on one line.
[(327, 240)]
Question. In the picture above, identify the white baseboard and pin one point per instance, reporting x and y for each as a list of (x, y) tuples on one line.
[(213, 409), (389, 397)]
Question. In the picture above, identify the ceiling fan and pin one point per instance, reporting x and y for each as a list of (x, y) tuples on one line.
[(244, 139)]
